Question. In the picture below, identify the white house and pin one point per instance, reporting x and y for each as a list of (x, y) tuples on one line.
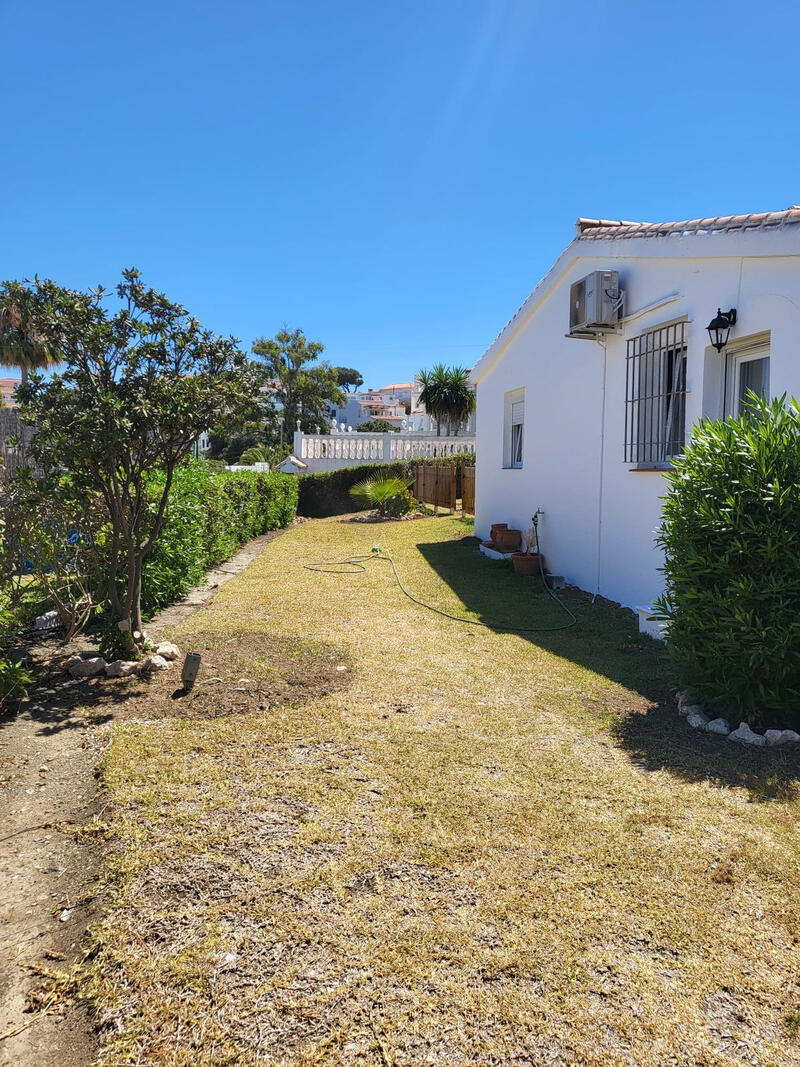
[(391, 403), (398, 403), (590, 389)]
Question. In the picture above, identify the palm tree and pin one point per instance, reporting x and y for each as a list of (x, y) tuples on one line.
[(447, 395), (433, 395), (20, 344), (460, 397), (255, 454)]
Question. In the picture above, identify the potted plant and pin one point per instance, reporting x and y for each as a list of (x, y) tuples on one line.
[(528, 562), (507, 540)]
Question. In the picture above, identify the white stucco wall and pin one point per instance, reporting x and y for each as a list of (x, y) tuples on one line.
[(600, 515)]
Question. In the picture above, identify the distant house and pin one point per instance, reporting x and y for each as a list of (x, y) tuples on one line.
[(7, 387), (594, 385), (397, 403), (292, 465), (392, 403)]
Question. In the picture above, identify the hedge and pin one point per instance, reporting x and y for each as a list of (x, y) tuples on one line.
[(328, 492), (731, 539), (209, 515)]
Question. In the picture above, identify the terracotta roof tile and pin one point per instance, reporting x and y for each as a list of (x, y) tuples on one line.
[(605, 229)]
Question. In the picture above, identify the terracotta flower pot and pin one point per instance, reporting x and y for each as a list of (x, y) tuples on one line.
[(496, 527), (507, 540), (527, 562)]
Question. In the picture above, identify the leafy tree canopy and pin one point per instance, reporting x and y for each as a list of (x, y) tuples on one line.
[(377, 426), (142, 380), (349, 378), (304, 389)]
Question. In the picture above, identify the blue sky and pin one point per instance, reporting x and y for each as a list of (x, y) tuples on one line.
[(391, 178)]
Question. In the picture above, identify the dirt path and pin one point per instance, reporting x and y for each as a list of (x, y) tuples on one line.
[(47, 766), (48, 756)]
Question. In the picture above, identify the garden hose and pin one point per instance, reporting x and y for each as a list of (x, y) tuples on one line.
[(358, 565)]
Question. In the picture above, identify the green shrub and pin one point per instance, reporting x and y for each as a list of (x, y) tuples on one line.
[(401, 504), (382, 493), (209, 515), (328, 492), (731, 537), (14, 680), (377, 426)]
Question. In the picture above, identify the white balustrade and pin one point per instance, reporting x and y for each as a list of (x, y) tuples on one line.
[(329, 451)]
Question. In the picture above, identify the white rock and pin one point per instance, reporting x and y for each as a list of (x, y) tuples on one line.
[(746, 735), (79, 667), (690, 709), (697, 719), (717, 726), (167, 650), (683, 697), (122, 668), (781, 737), (154, 663)]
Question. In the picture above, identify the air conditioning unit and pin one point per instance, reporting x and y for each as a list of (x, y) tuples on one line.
[(595, 304)]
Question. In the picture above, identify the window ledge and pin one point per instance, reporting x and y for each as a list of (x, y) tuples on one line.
[(658, 467), (505, 467)]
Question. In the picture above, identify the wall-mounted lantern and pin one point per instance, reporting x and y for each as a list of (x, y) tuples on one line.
[(720, 327)]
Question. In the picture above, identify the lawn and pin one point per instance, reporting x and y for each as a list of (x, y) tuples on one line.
[(381, 836)]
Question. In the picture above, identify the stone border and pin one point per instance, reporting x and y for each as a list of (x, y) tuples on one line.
[(698, 720)]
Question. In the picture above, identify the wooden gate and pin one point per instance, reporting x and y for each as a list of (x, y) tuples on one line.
[(468, 490), (435, 484)]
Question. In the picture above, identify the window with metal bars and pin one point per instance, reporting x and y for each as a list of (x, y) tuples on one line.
[(655, 395)]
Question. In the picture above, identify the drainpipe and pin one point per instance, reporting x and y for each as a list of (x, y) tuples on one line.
[(601, 341)]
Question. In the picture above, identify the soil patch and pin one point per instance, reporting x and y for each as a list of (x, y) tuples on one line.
[(239, 674)]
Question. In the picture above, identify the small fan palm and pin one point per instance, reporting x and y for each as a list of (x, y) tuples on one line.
[(254, 454), (378, 493)]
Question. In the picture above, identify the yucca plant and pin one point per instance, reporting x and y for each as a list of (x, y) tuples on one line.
[(731, 539), (381, 494)]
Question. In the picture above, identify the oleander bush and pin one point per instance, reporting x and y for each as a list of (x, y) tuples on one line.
[(731, 538), (209, 515)]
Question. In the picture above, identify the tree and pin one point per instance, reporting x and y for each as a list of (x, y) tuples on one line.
[(256, 454), (21, 345), (447, 395), (142, 380), (433, 384), (303, 392), (348, 377), (377, 426), (459, 398)]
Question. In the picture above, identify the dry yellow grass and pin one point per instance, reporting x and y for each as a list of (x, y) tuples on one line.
[(487, 849)]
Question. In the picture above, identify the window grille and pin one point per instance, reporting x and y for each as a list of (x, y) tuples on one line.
[(655, 395)]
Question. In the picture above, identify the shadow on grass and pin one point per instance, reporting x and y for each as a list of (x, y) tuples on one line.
[(57, 702), (606, 640)]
